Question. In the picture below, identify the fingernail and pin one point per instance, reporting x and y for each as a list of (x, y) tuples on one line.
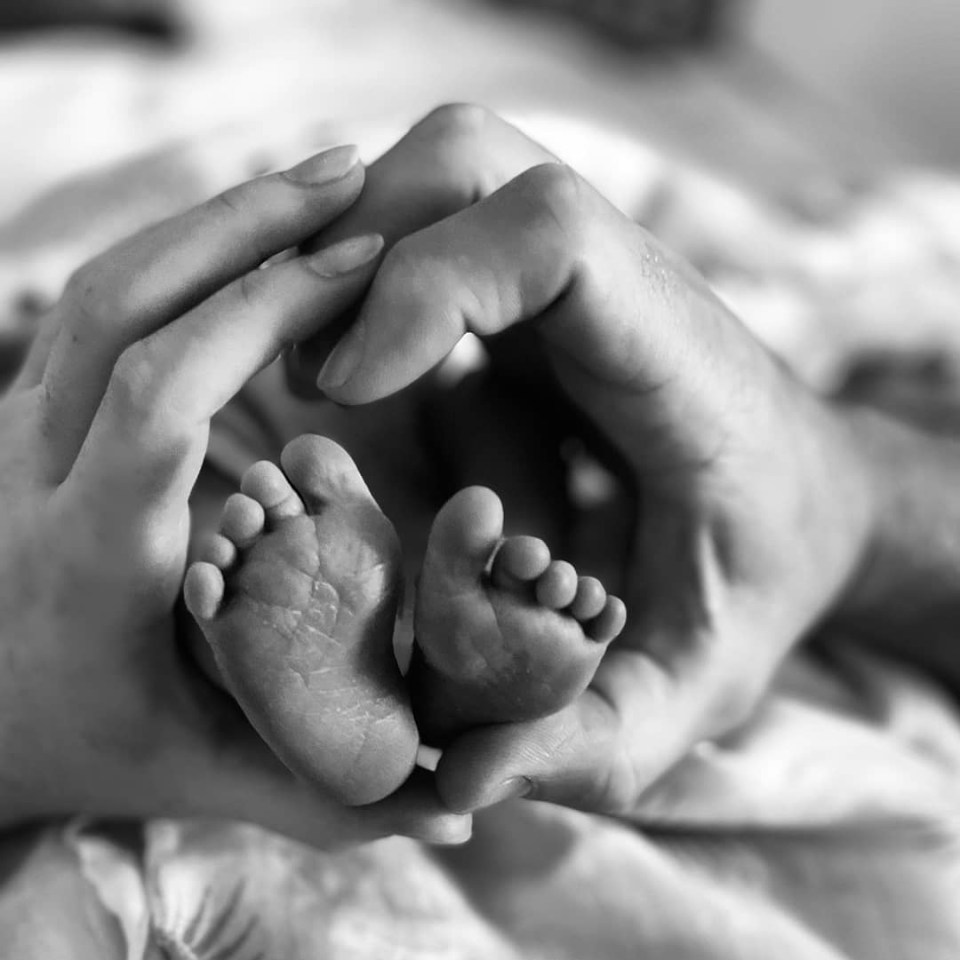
[(345, 256), (451, 835), (325, 167), (343, 360), (511, 789)]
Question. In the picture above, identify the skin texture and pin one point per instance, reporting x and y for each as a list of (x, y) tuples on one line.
[(103, 435), (304, 640), (504, 633), (755, 509), (762, 503), (297, 594)]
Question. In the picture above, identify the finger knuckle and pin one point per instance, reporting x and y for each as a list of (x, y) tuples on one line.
[(457, 123), (142, 400), (459, 137), (241, 208), (413, 275), (402, 262), (250, 288), (557, 191), (136, 390), (92, 301), (230, 203), (132, 382)]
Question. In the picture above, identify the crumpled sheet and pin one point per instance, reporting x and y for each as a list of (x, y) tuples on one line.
[(826, 828)]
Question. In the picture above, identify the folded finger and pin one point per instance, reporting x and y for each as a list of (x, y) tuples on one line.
[(144, 282), (632, 331), (455, 156), (544, 240)]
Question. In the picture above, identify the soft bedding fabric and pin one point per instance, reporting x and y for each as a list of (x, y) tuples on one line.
[(826, 829)]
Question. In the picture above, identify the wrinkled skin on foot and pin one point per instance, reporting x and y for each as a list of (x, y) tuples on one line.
[(102, 437), (305, 642), (297, 594), (503, 632)]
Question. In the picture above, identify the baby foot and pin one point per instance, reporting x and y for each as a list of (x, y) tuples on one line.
[(503, 632), (297, 595)]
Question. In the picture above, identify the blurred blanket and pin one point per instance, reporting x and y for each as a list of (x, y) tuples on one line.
[(826, 828)]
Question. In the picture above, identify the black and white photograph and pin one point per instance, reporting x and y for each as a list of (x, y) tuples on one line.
[(479, 480)]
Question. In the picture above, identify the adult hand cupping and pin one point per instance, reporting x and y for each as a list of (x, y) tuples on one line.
[(754, 510), (103, 436)]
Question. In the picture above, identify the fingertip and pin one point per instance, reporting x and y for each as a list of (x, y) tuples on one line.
[(342, 364), (326, 167), (483, 766), (416, 810), (466, 797), (411, 319)]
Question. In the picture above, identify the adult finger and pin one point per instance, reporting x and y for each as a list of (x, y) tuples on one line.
[(458, 154), (295, 808), (666, 684), (455, 156), (599, 754), (613, 307), (34, 363), (416, 810), (135, 288), (144, 449), (223, 770)]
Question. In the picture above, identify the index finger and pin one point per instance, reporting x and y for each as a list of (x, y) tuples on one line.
[(618, 309), (147, 440), (455, 156), (145, 282)]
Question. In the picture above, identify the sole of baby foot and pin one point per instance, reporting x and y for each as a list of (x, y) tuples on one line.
[(297, 595), (504, 632)]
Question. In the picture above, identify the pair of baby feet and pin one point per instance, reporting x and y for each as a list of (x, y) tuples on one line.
[(298, 593)]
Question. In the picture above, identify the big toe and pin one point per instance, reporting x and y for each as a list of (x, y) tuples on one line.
[(323, 472), (465, 532)]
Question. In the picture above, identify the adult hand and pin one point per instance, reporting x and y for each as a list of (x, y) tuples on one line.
[(754, 513), (103, 436)]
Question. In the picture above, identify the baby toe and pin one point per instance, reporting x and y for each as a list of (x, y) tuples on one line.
[(519, 558), (322, 471), (590, 600), (242, 520), (464, 534), (610, 621), (558, 585), (218, 550), (203, 590), (266, 483)]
